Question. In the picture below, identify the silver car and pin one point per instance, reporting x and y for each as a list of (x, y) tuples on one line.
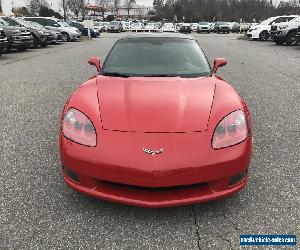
[(68, 33)]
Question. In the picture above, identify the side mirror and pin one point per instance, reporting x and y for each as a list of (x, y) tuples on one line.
[(218, 62), (95, 61)]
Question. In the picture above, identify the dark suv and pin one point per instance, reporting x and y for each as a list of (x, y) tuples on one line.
[(222, 27), (298, 34), (18, 37), (40, 37), (115, 26), (3, 41)]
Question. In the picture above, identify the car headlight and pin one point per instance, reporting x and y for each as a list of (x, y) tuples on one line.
[(41, 32), (231, 130), (16, 31), (282, 27), (77, 127)]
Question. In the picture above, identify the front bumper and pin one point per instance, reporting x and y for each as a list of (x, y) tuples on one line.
[(3, 44), (170, 179), (75, 36), (154, 198), (254, 34), (277, 35), (21, 41)]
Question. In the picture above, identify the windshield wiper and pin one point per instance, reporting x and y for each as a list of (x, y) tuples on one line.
[(116, 74), (161, 75)]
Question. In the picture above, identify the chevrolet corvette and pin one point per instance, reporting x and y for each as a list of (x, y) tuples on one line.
[(156, 127)]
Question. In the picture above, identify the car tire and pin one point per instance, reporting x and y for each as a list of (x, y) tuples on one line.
[(65, 37), (1, 51), (22, 48), (263, 36), (44, 45), (278, 42), (35, 44), (291, 39)]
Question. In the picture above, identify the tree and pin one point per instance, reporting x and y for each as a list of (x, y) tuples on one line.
[(128, 7), (76, 6), (20, 11), (47, 12), (34, 7), (64, 9), (158, 6), (116, 4), (104, 5)]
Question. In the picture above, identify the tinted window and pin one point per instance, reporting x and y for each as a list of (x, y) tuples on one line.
[(157, 57), (41, 21), (51, 23), (11, 22)]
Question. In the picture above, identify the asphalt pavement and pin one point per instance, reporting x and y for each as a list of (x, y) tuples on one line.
[(38, 211)]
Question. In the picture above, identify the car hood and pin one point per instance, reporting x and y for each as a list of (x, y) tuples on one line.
[(162, 105)]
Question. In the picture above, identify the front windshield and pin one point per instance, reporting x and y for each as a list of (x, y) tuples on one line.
[(37, 25), (10, 22), (222, 23), (267, 21), (64, 24), (114, 23), (156, 57), (24, 23), (203, 23)]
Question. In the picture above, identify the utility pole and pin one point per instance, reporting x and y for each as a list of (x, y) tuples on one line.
[(64, 9)]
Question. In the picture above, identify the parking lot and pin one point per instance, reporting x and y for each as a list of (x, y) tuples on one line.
[(38, 211)]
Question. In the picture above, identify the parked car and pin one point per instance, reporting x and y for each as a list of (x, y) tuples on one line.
[(203, 27), (136, 26), (262, 31), (236, 28), (285, 32), (150, 27), (186, 134), (244, 27), (84, 31), (194, 26), (3, 41), (298, 35), (105, 24), (221, 27), (126, 25), (41, 37), (185, 28), (68, 32), (18, 37), (57, 36), (99, 26), (168, 27), (115, 26)]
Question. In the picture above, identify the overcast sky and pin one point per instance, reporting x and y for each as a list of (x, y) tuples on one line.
[(145, 2)]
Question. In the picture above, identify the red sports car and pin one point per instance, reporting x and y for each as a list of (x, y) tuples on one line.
[(156, 127)]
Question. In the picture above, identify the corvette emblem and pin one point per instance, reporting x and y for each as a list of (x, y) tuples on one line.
[(153, 152)]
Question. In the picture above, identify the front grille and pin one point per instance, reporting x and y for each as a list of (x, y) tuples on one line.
[(273, 28), (154, 189), (25, 33)]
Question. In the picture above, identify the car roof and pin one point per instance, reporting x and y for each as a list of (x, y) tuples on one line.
[(158, 35)]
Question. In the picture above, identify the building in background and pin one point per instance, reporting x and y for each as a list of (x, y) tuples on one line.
[(133, 10)]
